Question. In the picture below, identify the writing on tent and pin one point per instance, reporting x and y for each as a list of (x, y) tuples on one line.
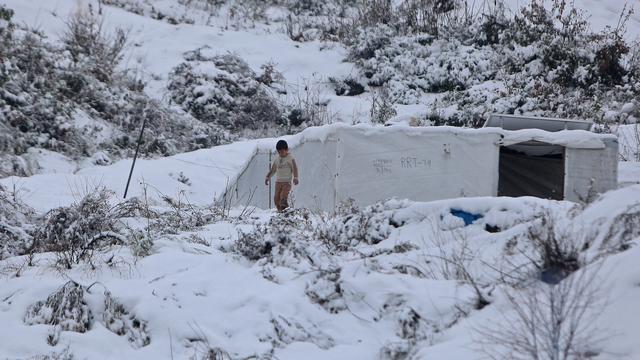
[(382, 166), (409, 162), (385, 166)]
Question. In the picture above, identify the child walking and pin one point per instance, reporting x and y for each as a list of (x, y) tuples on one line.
[(286, 169)]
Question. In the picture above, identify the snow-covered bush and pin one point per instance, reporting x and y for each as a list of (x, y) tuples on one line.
[(119, 321), (367, 42), (351, 226), (31, 112), (6, 15), (409, 325), (181, 215), (414, 65), (382, 109), (75, 232), (556, 66), (558, 322), (65, 308), (289, 330), (214, 353), (427, 16), (91, 49), (317, 7), (544, 60), (326, 291), (347, 86), (283, 241), (395, 351), (410, 17), (375, 12), (286, 240), (624, 228), (70, 98), (64, 354), (15, 225), (140, 242), (557, 249), (68, 310), (309, 20), (173, 15), (223, 90), (132, 6), (253, 245)]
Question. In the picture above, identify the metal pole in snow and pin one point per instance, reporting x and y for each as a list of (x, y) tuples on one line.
[(269, 170), (135, 156)]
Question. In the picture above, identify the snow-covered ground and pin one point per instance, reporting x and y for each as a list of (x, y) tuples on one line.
[(303, 300), (393, 297), (204, 174)]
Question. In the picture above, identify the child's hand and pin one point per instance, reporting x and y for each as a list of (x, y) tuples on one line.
[(295, 181), (266, 181)]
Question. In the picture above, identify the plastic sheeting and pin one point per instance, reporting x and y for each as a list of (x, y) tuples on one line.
[(423, 167), (248, 189), (589, 171), (316, 163), (368, 164)]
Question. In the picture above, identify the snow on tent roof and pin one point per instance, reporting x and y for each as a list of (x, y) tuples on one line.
[(577, 139), (515, 122), (580, 139)]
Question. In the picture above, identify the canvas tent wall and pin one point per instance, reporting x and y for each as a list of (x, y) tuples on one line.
[(557, 172), (317, 171), (591, 171), (423, 164), (554, 158), (369, 164)]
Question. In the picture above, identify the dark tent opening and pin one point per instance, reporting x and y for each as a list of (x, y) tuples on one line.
[(532, 169)]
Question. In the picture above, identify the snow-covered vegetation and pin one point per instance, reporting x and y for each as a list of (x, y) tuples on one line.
[(394, 280), (68, 97), (76, 91), (542, 60)]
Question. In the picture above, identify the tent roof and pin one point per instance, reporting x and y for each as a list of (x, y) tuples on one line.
[(519, 122), (568, 138)]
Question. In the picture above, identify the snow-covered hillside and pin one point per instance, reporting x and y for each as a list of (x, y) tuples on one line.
[(190, 64), (393, 281), (168, 273)]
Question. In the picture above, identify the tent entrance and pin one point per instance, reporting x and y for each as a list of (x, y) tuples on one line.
[(532, 169)]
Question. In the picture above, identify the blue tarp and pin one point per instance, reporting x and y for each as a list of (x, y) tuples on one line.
[(465, 215)]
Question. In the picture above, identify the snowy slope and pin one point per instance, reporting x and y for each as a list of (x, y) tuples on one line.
[(156, 47), (601, 13), (394, 296), (205, 173)]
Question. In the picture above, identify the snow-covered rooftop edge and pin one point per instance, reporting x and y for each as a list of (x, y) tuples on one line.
[(569, 138)]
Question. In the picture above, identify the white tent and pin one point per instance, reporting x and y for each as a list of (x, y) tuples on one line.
[(368, 164)]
